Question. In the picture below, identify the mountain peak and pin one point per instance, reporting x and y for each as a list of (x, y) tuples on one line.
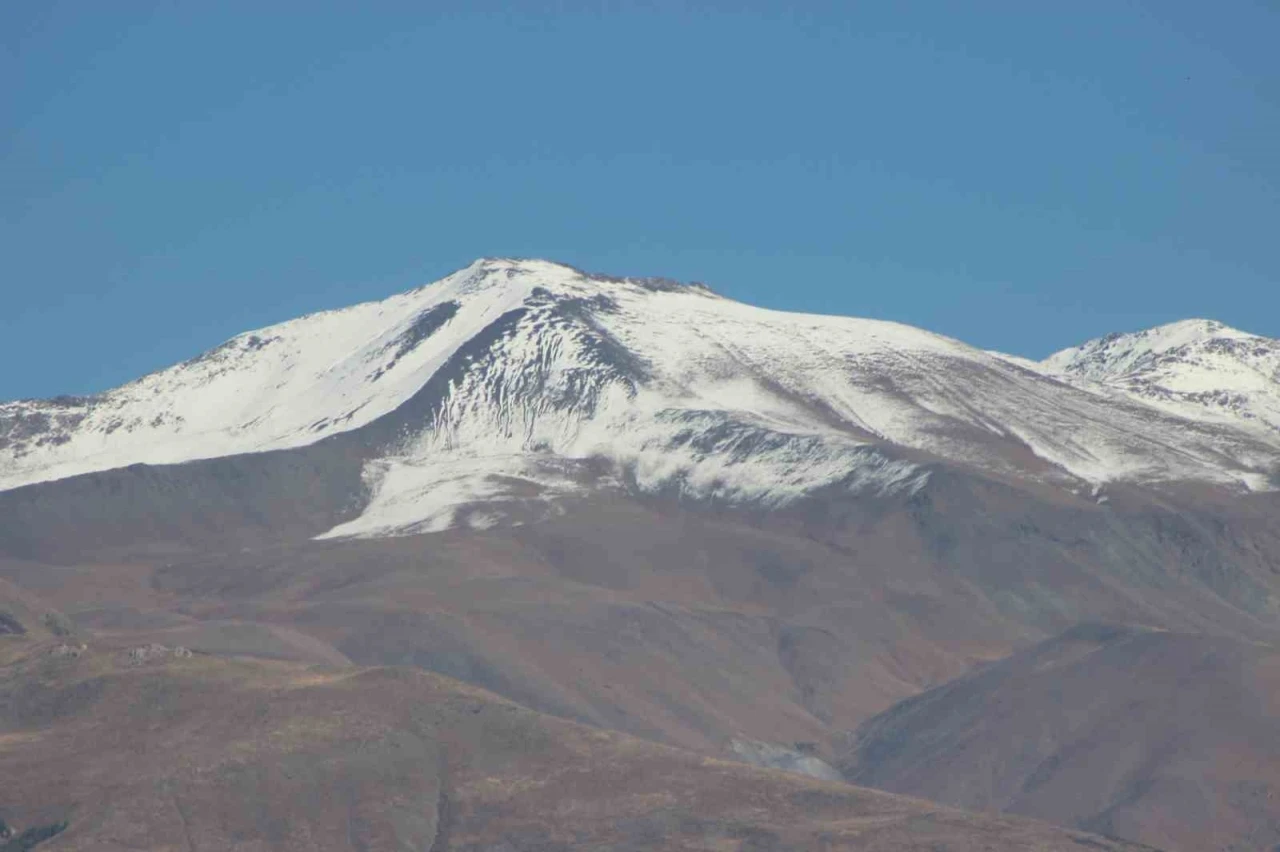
[(1123, 352), (492, 272), (1186, 366)]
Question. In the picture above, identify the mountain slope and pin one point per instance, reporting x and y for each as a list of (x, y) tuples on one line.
[(1166, 738), (104, 749), (512, 385)]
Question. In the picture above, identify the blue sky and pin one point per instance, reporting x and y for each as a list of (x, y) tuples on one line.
[(1020, 175)]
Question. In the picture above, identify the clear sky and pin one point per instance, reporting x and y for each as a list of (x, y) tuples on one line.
[(1021, 175)]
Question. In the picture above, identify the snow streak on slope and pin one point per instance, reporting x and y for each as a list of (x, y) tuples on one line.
[(511, 384), (1195, 368), (556, 389)]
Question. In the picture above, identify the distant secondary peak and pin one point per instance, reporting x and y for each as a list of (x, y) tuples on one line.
[(1125, 351)]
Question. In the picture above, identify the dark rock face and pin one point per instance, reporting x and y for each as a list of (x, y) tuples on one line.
[(426, 324), (219, 502), (29, 838), (23, 427)]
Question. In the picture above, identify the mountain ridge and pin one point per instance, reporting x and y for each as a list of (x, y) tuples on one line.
[(517, 383)]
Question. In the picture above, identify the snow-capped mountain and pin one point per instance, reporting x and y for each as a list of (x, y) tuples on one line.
[(519, 381), (1190, 368)]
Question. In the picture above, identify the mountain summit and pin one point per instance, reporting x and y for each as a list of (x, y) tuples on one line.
[(1189, 368), (512, 384)]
